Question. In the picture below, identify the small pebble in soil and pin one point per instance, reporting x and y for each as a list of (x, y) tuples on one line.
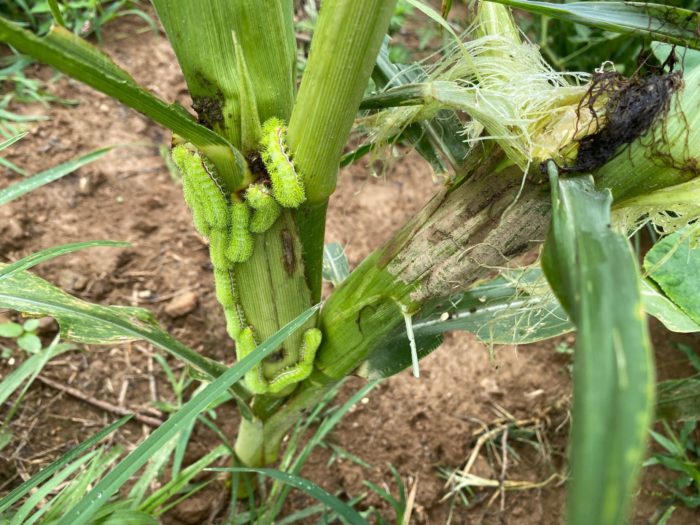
[(90, 182), (182, 304), (47, 325), (71, 280)]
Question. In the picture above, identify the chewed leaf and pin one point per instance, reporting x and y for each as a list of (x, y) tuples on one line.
[(32, 295), (89, 323), (335, 263)]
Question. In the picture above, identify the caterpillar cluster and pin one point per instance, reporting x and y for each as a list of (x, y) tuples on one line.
[(229, 221)]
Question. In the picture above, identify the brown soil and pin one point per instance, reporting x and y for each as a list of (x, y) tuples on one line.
[(421, 427)]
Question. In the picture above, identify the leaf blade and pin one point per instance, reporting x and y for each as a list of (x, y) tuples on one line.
[(662, 23), (593, 272), (23, 187)]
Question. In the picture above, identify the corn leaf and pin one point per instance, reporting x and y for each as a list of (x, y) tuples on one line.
[(663, 23), (673, 264), (82, 61), (592, 270), (515, 308), (23, 187), (110, 484)]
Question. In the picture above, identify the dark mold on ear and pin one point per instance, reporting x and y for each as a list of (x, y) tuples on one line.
[(632, 106)]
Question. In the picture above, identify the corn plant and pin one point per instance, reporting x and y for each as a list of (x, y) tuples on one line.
[(530, 154)]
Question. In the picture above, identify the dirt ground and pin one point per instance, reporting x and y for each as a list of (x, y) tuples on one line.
[(422, 427)]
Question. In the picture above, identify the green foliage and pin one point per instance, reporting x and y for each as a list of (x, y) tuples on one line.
[(24, 334), (680, 453), (94, 324), (85, 509), (515, 308), (76, 57), (83, 17), (21, 378), (673, 264), (584, 261), (21, 188), (583, 258), (620, 29)]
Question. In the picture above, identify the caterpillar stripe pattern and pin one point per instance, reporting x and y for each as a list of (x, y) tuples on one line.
[(229, 222), (283, 379), (266, 210)]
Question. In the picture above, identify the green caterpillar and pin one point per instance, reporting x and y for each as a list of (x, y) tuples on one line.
[(256, 381), (265, 208), (225, 288), (195, 206), (235, 320), (240, 241), (207, 197), (287, 185)]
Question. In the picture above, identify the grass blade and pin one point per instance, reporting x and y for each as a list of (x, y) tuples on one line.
[(17, 190), (161, 496), (9, 142), (594, 273), (51, 253), (98, 496), (344, 511), (32, 502), (89, 323), (679, 399), (38, 479)]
